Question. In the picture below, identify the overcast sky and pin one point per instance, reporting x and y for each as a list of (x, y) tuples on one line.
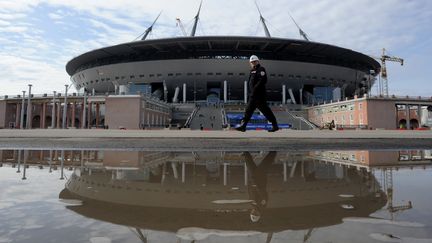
[(38, 37)]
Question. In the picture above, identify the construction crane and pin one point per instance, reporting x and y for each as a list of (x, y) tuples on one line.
[(388, 187), (180, 24), (383, 85)]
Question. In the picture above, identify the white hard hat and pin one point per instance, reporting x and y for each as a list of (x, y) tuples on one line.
[(253, 58), (255, 218)]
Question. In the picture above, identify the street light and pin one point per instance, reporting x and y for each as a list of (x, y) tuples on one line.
[(53, 111), (22, 110), (65, 106), (29, 117)]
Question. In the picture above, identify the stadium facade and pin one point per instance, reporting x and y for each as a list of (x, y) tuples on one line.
[(298, 71)]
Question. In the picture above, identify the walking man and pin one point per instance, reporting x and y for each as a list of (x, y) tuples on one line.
[(257, 96)]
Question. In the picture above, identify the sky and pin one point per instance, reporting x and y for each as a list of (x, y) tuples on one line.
[(38, 37)]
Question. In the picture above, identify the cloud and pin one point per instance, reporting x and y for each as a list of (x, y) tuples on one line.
[(54, 31), (22, 71), (55, 16)]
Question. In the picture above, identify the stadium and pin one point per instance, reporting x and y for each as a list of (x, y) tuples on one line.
[(216, 68)]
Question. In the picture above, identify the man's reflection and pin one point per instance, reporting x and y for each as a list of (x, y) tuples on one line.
[(257, 188)]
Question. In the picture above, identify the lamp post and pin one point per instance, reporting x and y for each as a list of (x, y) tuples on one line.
[(22, 110), (53, 111), (84, 116), (65, 107), (29, 107)]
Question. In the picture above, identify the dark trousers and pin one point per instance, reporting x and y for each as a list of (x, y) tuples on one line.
[(261, 104)]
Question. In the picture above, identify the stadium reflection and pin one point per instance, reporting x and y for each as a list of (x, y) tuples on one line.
[(195, 195)]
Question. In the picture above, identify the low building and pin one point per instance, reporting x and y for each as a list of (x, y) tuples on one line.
[(101, 111), (373, 113)]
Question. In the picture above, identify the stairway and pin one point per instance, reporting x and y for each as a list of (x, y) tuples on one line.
[(207, 117)]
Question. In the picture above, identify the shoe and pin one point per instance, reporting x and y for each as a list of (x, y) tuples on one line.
[(274, 129), (240, 129)]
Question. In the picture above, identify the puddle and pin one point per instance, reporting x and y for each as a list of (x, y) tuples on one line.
[(217, 196)]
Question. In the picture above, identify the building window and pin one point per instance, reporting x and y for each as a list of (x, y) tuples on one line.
[(189, 74), (132, 76), (141, 76), (159, 74), (197, 74), (218, 73), (151, 75), (170, 74), (117, 78), (230, 74), (209, 73), (242, 74), (360, 106), (280, 75)]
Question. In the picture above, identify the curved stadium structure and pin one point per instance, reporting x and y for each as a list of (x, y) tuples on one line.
[(204, 63)]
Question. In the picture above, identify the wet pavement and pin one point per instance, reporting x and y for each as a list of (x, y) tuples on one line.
[(215, 196)]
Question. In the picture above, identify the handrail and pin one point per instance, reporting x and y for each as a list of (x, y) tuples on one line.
[(224, 118), (190, 118), (301, 118)]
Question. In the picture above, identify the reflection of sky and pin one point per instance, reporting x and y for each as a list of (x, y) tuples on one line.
[(31, 212)]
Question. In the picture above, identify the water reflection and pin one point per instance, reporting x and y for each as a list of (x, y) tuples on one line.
[(224, 193)]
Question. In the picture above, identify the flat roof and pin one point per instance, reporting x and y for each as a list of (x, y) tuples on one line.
[(223, 47)]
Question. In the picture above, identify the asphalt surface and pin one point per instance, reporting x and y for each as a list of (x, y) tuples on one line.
[(186, 140)]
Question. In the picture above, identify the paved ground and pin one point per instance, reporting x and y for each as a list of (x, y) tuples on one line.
[(170, 140)]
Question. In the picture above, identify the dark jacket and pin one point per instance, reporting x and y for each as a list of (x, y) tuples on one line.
[(257, 82)]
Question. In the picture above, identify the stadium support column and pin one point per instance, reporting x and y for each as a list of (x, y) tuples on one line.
[(53, 112), (284, 94), (292, 96), (301, 96), (29, 109), (225, 90), (165, 89), (22, 111), (245, 91), (184, 92), (176, 93)]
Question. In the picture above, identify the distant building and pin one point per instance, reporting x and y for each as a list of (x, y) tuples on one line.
[(374, 113)]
